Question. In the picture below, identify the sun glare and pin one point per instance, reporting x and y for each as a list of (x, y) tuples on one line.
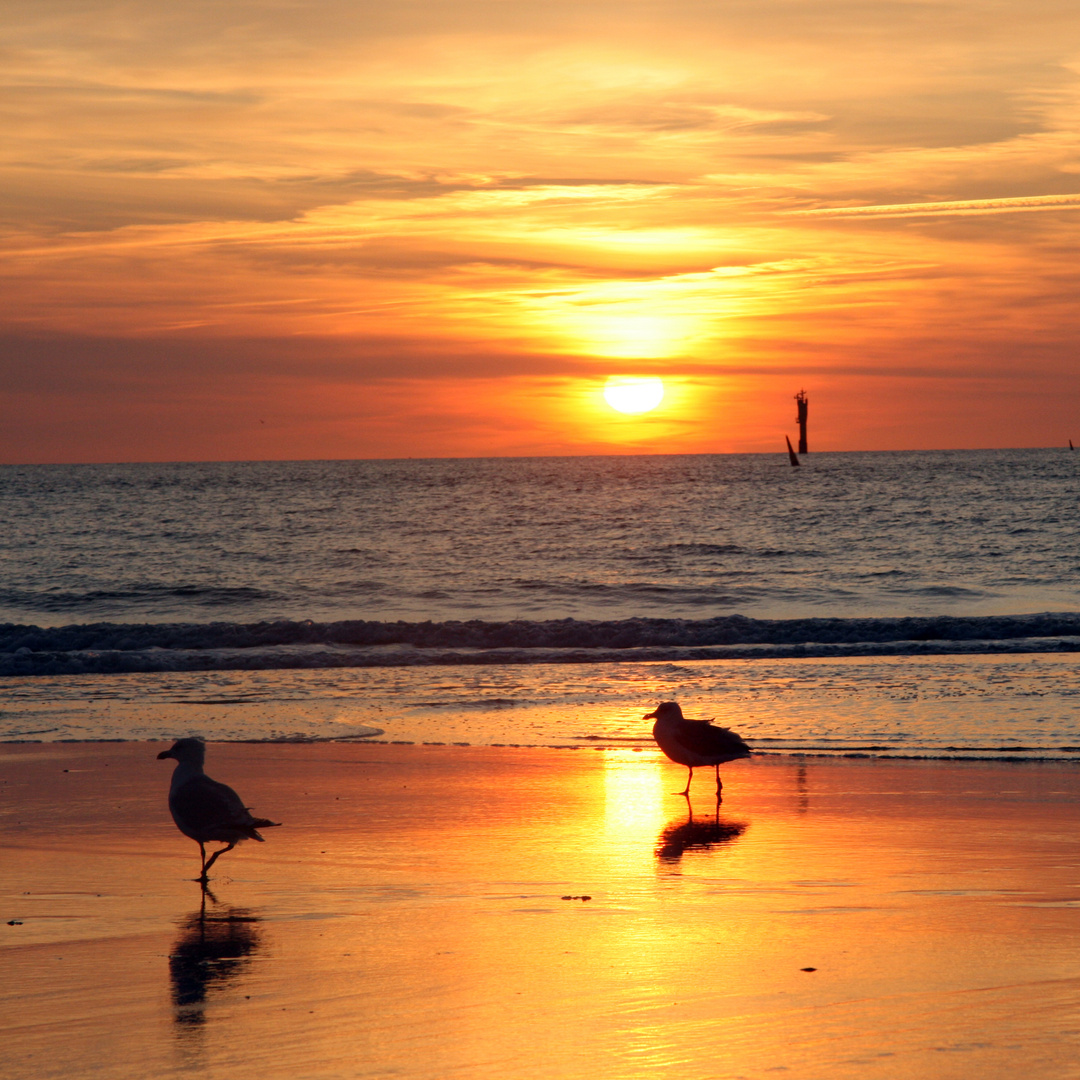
[(633, 394), (627, 336)]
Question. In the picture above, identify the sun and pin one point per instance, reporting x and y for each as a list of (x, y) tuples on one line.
[(633, 394)]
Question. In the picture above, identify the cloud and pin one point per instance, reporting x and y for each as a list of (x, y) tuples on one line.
[(1009, 205), (286, 203)]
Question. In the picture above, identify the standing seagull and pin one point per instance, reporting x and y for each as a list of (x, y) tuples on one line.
[(204, 809), (694, 742)]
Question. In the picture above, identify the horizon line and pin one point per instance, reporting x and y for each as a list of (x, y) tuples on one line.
[(782, 452)]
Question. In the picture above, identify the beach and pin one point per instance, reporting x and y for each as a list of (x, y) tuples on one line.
[(434, 911), (434, 674)]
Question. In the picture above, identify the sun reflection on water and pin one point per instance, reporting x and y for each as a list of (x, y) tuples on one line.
[(634, 800)]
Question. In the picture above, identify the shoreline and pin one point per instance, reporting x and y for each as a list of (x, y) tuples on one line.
[(920, 706), (1038, 756)]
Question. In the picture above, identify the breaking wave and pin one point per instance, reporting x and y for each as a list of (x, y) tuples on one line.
[(132, 647)]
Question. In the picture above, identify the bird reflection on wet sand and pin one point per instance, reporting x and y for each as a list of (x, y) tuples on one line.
[(214, 947), (691, 835)]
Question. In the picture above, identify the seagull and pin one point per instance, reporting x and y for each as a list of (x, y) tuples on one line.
[(204, 809), (694, 742)]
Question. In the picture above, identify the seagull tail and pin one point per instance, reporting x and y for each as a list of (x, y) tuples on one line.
[(260, 823), (739, 747)]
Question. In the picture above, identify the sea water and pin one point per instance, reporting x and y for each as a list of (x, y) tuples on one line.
[(456, 600)]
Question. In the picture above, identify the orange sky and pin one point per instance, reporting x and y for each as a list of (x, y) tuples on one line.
[(357, 229)]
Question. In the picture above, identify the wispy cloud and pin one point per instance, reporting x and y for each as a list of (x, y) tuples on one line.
[(947, 209)]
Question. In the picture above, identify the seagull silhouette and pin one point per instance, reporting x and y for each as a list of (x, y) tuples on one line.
[(204, 809), (694, 742)]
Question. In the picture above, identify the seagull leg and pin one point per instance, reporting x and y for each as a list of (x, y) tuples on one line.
[(202, 871), (686, 790), (214, 857), (719, 787)]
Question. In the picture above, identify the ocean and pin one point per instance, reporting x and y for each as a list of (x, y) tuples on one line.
[(920, 603)]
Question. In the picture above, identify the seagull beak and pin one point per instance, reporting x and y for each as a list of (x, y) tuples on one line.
[(650, 715), (165, 754)]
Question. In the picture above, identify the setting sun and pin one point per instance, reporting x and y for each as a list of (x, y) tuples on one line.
[(633, 395)]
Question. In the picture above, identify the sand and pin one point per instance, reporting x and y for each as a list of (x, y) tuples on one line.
[(433, 912)]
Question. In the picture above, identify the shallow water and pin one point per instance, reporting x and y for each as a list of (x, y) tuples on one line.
[(998, 705)]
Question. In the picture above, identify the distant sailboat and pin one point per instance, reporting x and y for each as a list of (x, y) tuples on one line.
[(792, 456)]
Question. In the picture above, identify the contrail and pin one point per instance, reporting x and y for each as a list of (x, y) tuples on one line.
[(962, 206)]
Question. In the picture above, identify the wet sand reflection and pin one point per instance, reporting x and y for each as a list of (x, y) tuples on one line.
[(802, 787), (697, 835), (409, 925), (214, 948)]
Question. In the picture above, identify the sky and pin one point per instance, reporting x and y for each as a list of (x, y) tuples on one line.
[(436, 228)]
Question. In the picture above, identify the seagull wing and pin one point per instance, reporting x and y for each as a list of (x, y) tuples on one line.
[(203, 805), (702, 738)]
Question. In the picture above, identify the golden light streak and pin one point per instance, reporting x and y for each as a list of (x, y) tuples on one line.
[(635, 799)]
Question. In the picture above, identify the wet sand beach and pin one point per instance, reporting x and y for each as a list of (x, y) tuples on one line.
[(430, 912)]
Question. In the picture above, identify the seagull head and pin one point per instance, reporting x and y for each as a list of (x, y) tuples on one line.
[(190, 751), (666, 710)]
